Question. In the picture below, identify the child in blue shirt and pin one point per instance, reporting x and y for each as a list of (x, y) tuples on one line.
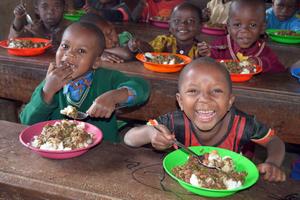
[(282, 15)]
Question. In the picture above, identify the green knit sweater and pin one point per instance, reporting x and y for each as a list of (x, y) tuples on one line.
[(104, 80)]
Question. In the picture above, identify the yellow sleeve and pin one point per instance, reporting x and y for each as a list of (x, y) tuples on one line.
[(161, 42)]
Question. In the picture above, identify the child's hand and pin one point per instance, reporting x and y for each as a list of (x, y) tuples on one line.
[(104, 105), (112, 58), (271, 172), (162, 138), (56, 78), (20, 11), (202, 50)]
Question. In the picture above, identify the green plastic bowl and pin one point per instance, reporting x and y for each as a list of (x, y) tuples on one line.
[(179, 157), (287, 39), (75, 16)]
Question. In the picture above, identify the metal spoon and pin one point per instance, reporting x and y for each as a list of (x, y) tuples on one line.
[(190, 152), (29, 19), (219, 47)]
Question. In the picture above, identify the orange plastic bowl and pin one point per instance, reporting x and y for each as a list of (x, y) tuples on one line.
[(26, 51), (242, 77), (164, 68)]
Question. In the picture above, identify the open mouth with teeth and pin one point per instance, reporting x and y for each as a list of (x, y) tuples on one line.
[(205, 115)]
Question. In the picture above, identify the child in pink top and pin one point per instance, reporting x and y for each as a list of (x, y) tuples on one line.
[(245, 26)]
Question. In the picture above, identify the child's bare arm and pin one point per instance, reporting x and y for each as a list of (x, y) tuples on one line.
[(271, 167), (160, 137), (136, 45), (123, 52)]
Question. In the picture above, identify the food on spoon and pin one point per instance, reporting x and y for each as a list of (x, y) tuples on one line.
[(152, 122), (200, 176), (70, 111), (63, 135)]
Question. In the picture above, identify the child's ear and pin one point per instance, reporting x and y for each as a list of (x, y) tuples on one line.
[(179, 100), (263, 27), (97, 63), (231, 101)]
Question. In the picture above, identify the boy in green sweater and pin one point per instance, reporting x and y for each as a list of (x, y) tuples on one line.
[(72, 81)]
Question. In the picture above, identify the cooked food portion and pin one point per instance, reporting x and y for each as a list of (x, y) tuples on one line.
[(287, 33), (64, 135), (226, 178), (160, 18), (163, 59), (215, 25), (16, 43), (152, 122), (243, 67), (70, 111)]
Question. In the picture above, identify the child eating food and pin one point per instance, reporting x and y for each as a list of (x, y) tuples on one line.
[(207, 117), (245, 25), (50, 24), (184, 26), (72, 81)]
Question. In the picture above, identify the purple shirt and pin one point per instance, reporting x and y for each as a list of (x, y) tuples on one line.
[(259, 51)]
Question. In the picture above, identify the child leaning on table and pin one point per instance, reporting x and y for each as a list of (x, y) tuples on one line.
[(116, 50), (50, 24), (184, 26), (282, 15), (208, 118), (72, 81), (245, 25)]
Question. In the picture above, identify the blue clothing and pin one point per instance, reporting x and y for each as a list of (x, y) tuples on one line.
[(292, 23)]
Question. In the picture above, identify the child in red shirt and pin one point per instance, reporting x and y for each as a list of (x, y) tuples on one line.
[(245, 26), (208, 118)]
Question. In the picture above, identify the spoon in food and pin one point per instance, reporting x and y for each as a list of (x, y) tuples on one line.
[(190, 152)]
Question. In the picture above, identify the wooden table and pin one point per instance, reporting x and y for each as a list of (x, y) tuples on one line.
[(107, 171), (274, 99)]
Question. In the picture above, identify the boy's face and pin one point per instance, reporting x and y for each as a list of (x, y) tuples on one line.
[(246, 24), (79, 49), (284, 9), (205, 97), (50, 12), (184, 24), (109, 31)]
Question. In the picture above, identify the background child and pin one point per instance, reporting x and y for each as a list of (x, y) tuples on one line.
[(217, 11), (111, 10), (116, 50), (282, 15), (154, 8), (208, 118), (245, 25), (72, 81), (184, 26), (49, 25)]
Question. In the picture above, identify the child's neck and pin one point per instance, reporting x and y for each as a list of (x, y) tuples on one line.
[(184, 46), (214, 136)]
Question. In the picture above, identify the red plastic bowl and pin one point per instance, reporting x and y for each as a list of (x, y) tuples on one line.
[(159, 23), (26, 51), (164, 68), (242, 77), (213, 30), (27, 135)]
